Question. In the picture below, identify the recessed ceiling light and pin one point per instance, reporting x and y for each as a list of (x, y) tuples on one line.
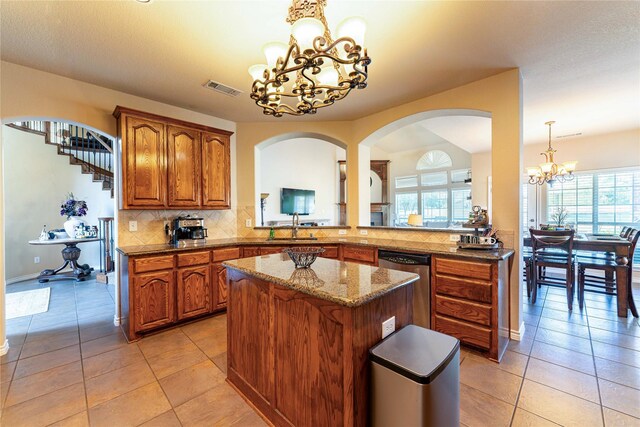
[(143, 1)]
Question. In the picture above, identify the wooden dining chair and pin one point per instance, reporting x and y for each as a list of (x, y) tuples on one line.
[(608, 283), (551, 249)]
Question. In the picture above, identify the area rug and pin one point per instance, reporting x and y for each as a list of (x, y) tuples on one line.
[(27, 303)]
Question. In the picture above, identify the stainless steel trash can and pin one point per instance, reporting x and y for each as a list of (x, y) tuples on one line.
[(415, 379)]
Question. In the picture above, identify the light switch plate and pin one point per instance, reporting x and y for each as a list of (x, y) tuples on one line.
[(247, 223), (133, 225), (388, 326), (342, 232), (364, 232), (36, 260), (454, 237)]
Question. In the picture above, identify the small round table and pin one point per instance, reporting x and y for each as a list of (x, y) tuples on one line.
[(70, 255)]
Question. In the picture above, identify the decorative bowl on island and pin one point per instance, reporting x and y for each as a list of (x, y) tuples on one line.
[(303, 257)]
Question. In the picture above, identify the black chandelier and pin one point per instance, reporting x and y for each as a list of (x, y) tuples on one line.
[(313, 71)]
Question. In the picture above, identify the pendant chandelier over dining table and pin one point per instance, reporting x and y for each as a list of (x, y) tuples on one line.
[(313, 71), (549, 171)]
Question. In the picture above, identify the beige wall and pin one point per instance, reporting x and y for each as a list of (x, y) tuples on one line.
[(481, 171)]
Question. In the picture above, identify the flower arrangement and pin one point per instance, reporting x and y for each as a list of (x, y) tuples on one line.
[(72, 207)]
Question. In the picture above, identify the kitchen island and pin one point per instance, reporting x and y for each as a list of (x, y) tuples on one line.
[(298, 339)]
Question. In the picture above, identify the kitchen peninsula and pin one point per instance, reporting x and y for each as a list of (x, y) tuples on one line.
[(298, 339)]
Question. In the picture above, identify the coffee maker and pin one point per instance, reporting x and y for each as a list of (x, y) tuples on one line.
[(187, 230)]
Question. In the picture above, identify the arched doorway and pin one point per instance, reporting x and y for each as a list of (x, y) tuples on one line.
[(303, 163), (45, 159)]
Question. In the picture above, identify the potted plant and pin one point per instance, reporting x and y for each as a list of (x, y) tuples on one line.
[(559, 217), (73, 209)]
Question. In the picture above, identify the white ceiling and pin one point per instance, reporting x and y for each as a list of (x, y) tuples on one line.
[(580, 61)]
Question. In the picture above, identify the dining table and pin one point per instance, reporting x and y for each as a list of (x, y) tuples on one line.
[(620, 250)]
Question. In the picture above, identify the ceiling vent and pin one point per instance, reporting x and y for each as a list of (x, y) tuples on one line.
[(219, 87)]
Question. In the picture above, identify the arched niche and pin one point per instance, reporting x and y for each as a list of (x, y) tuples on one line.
[(465, 160), (299, 160)]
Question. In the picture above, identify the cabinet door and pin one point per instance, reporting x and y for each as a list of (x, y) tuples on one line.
[(154, 296), (216, 171), (194, 291), (183, 167), (144, 179), (220, 285)]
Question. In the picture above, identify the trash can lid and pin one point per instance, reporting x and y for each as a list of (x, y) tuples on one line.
[(416, 353)]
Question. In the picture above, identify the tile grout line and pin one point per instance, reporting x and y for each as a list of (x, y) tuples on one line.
[(595, 367), (84, 380), (524, 373)]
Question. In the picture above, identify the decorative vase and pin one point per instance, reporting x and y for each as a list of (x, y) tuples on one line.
[(70, 226)]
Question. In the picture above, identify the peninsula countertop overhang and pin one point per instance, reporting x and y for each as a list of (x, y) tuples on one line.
[(387, 244), (344, 283)]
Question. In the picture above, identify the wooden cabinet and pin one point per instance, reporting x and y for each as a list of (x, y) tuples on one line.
[(250, 251), (470, 301), (216, 170), (144, 163), (219, 273), (153, 296), (330, 252), (160, 291), (183, 166), (172, 164), (193, 292), (361, 254)]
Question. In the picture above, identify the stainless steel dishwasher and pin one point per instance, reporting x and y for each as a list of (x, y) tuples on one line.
[(414, 263)]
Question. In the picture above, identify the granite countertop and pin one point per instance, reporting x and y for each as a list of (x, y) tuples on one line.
[(345, 283), (388, 244)]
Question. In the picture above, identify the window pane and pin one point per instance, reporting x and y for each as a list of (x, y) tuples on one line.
[(407, 181), (431, 179), (460, 204), (435, 206), (406, 203), (458, 176)]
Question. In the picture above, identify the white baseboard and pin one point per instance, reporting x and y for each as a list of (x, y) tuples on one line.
[(96, 269), (22, 278), (5, 348), (517, 335)]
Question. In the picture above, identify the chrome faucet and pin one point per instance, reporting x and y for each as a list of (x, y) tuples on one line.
[(295, 223)]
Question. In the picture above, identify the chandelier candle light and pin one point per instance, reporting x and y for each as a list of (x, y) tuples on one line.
[(313, 71), (549, 171)]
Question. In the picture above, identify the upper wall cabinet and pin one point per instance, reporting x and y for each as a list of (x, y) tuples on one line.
[(171, 164)]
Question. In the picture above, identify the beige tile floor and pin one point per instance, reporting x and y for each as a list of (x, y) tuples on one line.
[(71, 367)]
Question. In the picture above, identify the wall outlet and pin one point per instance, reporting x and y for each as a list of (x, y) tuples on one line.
[(388, 326), (364, 232), (133, 225), (36, 260), (454, 237), (342, 232), (247, 223)]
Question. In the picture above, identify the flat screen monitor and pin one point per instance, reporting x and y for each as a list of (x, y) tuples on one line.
[(294, 200)]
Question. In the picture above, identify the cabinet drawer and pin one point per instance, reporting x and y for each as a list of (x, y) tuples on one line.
[(453, 267), (463, 288), (193, 258), (267, 250), (465, 332), (225, 254), (330, 252), (250, 252), (359, 253), (141, 265), (465, 310)]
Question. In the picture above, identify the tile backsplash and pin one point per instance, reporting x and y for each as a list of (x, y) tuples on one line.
[(230, 223)]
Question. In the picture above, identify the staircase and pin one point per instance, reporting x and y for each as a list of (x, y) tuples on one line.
[(84, 147)]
